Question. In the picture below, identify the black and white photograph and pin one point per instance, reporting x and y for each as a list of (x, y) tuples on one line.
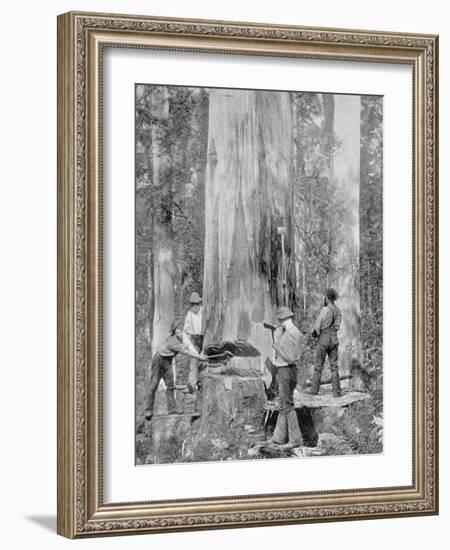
[(223, 240), (259, 274)]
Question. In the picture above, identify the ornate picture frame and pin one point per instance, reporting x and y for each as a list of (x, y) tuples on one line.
[(82, 38)]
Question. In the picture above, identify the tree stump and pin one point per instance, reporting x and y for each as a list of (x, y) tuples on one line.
[(231, 421)]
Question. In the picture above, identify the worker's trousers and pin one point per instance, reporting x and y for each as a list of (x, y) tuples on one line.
[(197, 341), (328, 344), (161, 368), (287, 380)]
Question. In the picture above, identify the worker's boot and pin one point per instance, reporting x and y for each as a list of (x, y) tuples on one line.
[(280, 435), (294, 433), (336, 384), (315, 382)]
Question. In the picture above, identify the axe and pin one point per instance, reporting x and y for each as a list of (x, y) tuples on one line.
[(272, 328), (282, 231)]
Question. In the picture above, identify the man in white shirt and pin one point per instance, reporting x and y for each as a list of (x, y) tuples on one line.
[(194, 329), (288, 348)]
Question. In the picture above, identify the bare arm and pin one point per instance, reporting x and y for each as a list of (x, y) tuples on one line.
[(190, 350), (194, 354)]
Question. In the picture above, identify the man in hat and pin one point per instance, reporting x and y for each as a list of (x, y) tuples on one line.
[(193, 328), (175, 343), (288, 351), (325, 329)]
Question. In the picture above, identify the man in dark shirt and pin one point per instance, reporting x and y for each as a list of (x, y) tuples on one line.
[(175, 343), (325, 328)]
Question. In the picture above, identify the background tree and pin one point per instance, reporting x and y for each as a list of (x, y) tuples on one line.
[(371, 238), (346, 174), (171, 140), (326, 196)]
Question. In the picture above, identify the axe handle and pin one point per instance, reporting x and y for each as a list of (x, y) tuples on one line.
[(224, 354), (272, 329)]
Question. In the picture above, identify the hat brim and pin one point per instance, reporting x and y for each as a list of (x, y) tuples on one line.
[(283, 317)]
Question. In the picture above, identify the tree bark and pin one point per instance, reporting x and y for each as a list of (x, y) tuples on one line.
[(163, 265), (371, 221), (248, 196), (346, 173)]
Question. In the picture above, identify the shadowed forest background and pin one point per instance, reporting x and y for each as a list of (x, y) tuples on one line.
[(217, 172)]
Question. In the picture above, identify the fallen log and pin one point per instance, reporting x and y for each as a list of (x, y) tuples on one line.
[(323, 399), (326, 399), (328, 380)]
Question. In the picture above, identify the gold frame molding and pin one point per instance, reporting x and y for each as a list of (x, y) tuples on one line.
[(81, 37)]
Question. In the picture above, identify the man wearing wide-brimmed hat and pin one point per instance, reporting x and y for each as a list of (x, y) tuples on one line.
[(288, 348), (194, 329), (175, 343), (325, 328)]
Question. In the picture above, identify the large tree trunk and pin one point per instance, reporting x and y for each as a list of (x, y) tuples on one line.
[(189, 148), (163, 265), (248, 196), (163, 277), (346, 172)]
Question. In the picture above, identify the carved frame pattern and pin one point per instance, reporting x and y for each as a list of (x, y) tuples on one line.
[(80, 508)]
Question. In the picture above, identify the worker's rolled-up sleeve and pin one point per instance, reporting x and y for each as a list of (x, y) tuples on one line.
[(337, 319), (318, 324), (188, 347)]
